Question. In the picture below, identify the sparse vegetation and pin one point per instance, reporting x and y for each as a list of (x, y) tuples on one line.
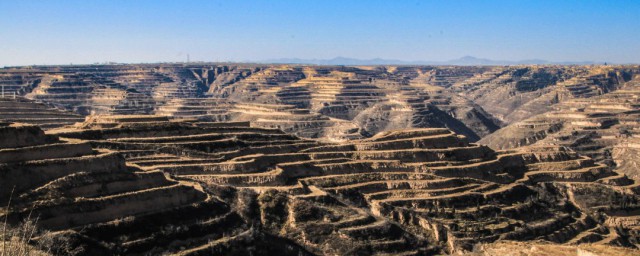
[(20, 240), (273, 209), (148, 184)]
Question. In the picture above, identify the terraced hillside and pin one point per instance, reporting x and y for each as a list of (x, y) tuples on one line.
[(97, 204), (604, 128), (513, 94), (314, 160), (411, 192), (341, 103), (27, 111), (335, 103)]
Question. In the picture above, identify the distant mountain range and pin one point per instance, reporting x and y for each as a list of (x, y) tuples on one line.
[(464, 61)]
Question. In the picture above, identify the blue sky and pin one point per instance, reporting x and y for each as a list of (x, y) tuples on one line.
[(63, 32)]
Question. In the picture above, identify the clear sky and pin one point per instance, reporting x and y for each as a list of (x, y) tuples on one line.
[(88, 31)]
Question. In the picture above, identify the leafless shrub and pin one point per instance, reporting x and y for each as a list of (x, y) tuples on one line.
[(25, 239), (18, 240)]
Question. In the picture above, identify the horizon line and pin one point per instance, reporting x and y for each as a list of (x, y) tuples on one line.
[(310, 61)]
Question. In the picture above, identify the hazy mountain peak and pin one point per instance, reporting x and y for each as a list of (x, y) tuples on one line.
[(466, 60)]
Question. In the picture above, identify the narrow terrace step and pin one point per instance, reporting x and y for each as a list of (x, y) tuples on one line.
[(403, 193), (50, 151), (375, 230), (93, 210)]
